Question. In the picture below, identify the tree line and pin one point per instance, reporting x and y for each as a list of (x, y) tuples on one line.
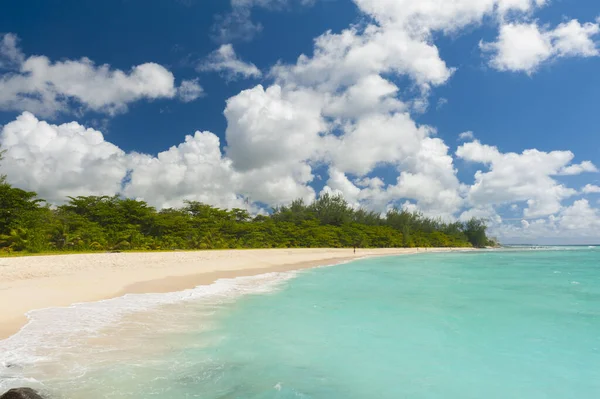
[(102, 223)]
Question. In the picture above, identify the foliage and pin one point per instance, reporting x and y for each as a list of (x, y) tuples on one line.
[(93, 223)]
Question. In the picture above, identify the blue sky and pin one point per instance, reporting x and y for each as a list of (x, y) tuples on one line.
[(518, 74), (176, 34)]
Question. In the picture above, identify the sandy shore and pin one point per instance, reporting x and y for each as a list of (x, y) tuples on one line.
[(38, 282)]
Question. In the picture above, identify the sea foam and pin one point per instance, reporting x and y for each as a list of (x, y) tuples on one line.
[(54, 333)]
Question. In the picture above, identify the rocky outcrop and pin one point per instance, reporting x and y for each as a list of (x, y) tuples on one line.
[(21, 393)]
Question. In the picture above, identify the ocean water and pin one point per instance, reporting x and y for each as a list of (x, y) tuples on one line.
[(487, 324)]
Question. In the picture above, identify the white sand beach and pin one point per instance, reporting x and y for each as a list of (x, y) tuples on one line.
[(36, 282)]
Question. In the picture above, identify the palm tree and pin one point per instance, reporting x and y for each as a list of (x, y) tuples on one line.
[(16, 240)]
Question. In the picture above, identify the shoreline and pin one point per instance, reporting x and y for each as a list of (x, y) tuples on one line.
[(31, 283)]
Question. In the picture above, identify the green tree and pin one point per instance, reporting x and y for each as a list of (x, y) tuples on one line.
[(332, 210), (90, 223), (475, 230)]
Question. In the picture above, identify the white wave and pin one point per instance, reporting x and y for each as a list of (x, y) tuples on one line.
[(52, 332), (546, 248)]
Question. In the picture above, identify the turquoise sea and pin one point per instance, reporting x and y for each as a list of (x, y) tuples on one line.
[(516, 323)]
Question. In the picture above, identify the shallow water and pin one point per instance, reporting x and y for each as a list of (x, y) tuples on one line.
[(498, 324)]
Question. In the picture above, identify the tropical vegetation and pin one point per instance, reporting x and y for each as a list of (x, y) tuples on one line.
[(28, 224)]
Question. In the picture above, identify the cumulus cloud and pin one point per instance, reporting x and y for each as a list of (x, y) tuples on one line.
[(485, 212), (69, 160), (398, 40), (591, 189), (370, 94), (193, 170), (337, 109), (466, 136), (577, 222), (272, 126), (392, 139), (520, 47), (357, 123), (580, 217), (573, 39), (523, 47), (445, 16), (225, 61), (58, 161), (190, 90), (272, 135), (10, 53), (525, 177), (427, 177), (44, 87), (342, 59), (577, 169)]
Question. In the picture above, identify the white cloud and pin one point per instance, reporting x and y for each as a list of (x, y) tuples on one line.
[(576, 223), (375, 140), (466, 136), (447, 16), (577, 169), (572, 39), (193, 170), (426, 176), (272, 135), (518, 177), (190, 90), (525, 46), (591, 189), (398, 40), (485, 212), (520, 47), (272, 126), (60, 161), (370, 94), (10, 54), (580, 217), (371, 127), (342, 59), (339, 184), (44, 87), (337, 109), (225, 61), (505, 6)]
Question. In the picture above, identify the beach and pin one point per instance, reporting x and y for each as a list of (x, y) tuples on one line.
[(497, 323), (37, 282)]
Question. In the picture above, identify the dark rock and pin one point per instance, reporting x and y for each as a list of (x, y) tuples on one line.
[(21, 393)]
